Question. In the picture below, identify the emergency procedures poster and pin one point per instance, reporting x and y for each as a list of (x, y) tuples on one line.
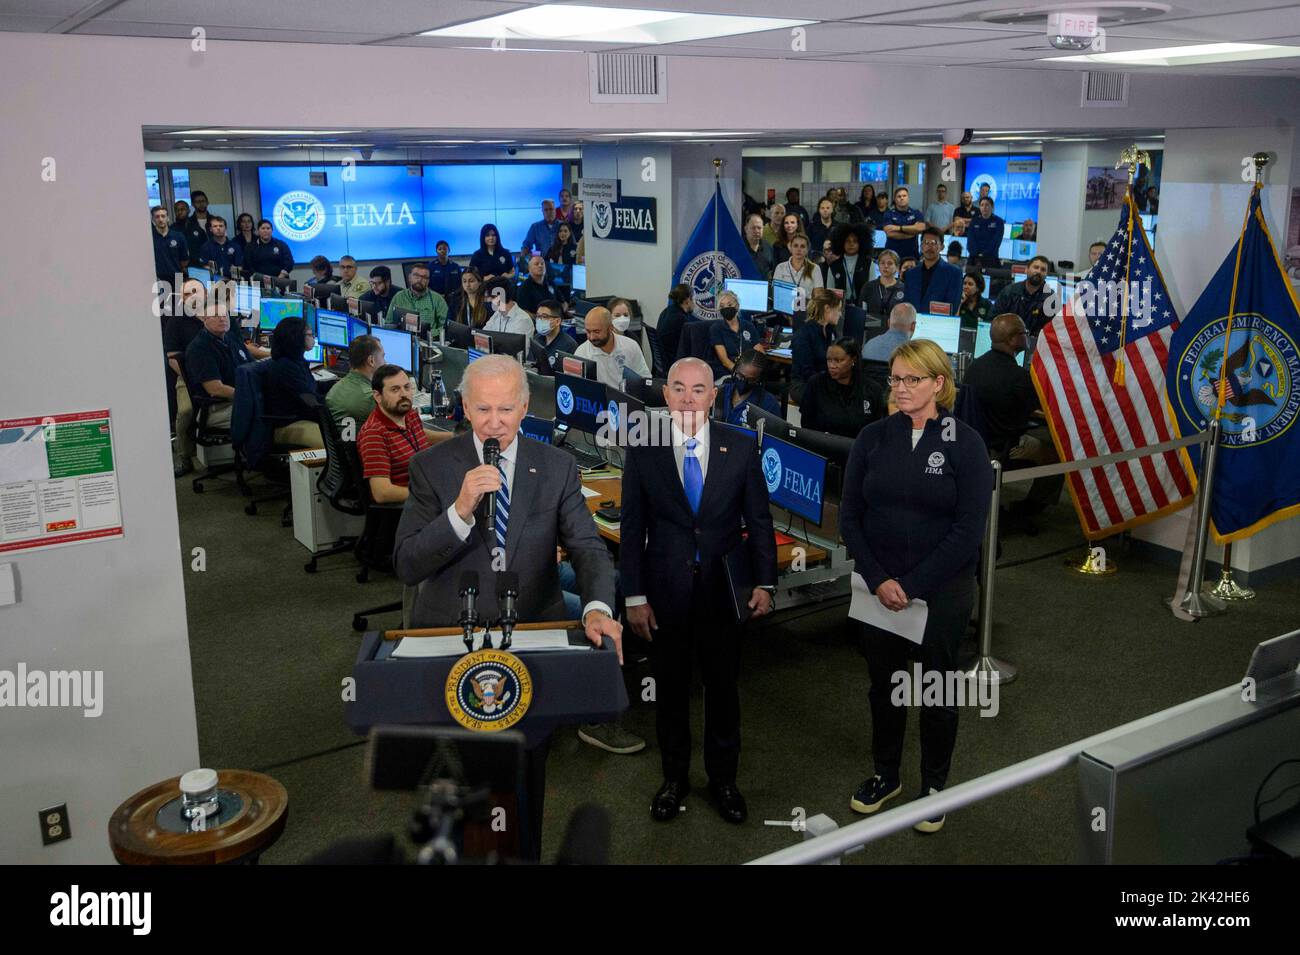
[(58, 484)]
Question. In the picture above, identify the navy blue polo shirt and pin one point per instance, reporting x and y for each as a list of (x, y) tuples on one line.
[(211, 358), (224, 254), (444, 279), (169, 251), (910, 246), (268, 258), (735, 343), (983, 236)]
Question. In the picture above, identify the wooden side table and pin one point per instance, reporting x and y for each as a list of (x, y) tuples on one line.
[(148, 829)]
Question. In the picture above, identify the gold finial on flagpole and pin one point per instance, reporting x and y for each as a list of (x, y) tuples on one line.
[(1261, 159), (1133, 157)]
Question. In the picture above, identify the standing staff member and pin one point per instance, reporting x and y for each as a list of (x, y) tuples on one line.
[(916, 495), (682, 511)]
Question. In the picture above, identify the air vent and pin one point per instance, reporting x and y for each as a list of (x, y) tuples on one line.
[(628, 78), (1104, 89)]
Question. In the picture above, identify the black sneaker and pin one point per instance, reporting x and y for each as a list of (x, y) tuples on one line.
[(929, 825), (874, 793)]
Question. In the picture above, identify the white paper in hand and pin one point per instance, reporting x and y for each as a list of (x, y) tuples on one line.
[(908, 623)]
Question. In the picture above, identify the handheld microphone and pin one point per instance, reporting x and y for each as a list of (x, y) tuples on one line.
[(507, 594), (492, 456), (469, 617)]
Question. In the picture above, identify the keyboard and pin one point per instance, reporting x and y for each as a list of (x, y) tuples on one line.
[(324, 374)]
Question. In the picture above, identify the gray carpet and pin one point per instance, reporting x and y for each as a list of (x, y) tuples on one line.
[(271, 645)]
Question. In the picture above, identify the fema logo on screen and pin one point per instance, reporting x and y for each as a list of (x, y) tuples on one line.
[(299, 216), (772, 469), (564, 399), (1259, 368), (984, 179), (705, 274)]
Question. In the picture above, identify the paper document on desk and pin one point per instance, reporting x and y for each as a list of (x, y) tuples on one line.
[(908, 623), (588, 492), (453, 646)]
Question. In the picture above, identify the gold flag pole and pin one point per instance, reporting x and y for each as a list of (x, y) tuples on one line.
[(1227, 588), (1133, 158)]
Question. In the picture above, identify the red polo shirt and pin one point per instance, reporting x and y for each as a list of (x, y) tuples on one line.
[(386, 449)]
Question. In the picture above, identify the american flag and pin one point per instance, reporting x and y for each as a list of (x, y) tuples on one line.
[(1099, 368)]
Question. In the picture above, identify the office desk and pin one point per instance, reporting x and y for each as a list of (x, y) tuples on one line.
[(611, 489), (782, 356)]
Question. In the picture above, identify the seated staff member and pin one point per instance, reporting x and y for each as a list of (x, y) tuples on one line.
[(466, 303), (351, 285), (352, 398), (902, 326), (219, 250), (841, 400), (444, 274), (621, 310), (616, 356), (912, 517), (322, 272), (381, 290), (287, 380), (536, 288), (673, 572), (744, 387), (210, 361), (880, 295), (492, 259), (680, 310), (813, 337), (852, 269), (974, 306), (505, 314), (417, 299), (268, 255), (564, 250), (730, 335), (391, 436), (551, 335), (1031, 299), (934, 285), (799, 270), (178, 331)]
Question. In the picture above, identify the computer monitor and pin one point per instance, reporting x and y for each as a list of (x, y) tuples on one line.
[(322, 291), (960, 240), (620, 403), (539, 429), (368, 310), (648, 391), (458, 334), (399, 347), (332, 328), (751, 292), (783, 297), (579, 282), (508, 343), (200, 274), (854, 323), (273, 310), (983, 338), (314, 355), (356, 327), (248, 298), (796, 478), (579, 403), (581, 307), (540, 359), (337, 303), (481, 341), (573, 365), (284, 285), (878, 239), (943, 330)]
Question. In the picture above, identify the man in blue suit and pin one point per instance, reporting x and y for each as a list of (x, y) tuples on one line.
[(933, 281), (690, 574)]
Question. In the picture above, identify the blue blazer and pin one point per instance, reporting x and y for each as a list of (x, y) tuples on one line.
[(945, 286)]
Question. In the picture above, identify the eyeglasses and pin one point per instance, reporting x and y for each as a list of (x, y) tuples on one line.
[(910, 380)]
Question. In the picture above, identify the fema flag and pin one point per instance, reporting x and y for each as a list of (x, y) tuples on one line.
[(1235, 358), (714, 253)]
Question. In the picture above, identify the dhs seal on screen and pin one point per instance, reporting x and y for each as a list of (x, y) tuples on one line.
[(299, 216)]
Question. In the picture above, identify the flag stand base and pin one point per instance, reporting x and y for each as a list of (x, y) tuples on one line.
[(1228, 589), (1093, 565), (989, 669)]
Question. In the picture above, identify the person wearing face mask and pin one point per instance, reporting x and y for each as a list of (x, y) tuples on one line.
[(1028, 298), (743, 388), (730, 335), (681, 307), (536, 288), (506, 315), (814, 336), (851, 269), (616, 356), (621, 309), (492, 260), (841, 400), (550, 335)]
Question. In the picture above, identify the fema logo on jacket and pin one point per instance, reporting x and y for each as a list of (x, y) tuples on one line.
[(934, 464), (299, 216)]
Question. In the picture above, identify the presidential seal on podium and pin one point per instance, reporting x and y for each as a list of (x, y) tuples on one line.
[(488, 690)]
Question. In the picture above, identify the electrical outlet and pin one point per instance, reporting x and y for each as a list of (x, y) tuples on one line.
[(54, 824)]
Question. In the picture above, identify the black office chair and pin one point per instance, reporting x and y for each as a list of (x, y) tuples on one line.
[(657, 367), (1066, 265), (379, 531), (649, 391), (339, 481), (204, 435), (252, 433), (694, 342), (877, 371)]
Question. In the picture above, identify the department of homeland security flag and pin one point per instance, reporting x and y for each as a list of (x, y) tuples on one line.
[(1237, 357), (704, 266), (1099, 368)]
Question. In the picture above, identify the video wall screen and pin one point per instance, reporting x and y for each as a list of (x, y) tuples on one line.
[(1014, 183)]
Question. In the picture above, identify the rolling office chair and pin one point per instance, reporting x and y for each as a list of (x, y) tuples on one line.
[(657, 368), (339, 481), (694, 341), (251, 431), (204, 435)]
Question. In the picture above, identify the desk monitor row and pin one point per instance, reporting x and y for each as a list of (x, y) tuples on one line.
[(753, 295)]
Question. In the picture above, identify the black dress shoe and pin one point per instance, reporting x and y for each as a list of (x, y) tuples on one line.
[(668, 800), (731, 804)]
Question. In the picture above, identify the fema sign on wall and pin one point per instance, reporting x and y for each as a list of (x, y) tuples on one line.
[(630, 219)]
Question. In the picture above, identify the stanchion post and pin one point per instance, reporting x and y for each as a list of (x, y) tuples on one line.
[(986, 667), (1194, 602), (1227, 588)]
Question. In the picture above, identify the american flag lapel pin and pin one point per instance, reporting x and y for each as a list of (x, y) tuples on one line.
[(532, 470), (723, 450)]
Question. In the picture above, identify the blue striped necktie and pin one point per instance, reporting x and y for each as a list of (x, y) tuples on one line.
[(692, 476), (503, 509)]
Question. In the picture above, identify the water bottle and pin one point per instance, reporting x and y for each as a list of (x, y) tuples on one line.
[(199, 795), (438, 394)]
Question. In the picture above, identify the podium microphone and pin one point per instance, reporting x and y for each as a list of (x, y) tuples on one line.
[(492, 456), (469, 617), (507, 594)]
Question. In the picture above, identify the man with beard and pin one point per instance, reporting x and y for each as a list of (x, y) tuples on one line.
[(1026, 298), (391, 436)]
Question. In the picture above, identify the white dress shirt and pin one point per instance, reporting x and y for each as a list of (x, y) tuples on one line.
[(507, 462), (679, 455), (516, 320), (610, 365)]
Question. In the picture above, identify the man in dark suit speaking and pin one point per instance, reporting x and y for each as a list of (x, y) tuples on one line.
[(444, 531), (684, 561)]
